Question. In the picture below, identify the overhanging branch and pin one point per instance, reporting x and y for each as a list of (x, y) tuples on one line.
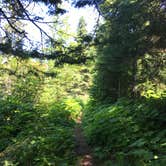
[(10, 23)]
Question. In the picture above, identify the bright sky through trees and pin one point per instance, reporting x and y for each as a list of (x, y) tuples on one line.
[(89, 13)]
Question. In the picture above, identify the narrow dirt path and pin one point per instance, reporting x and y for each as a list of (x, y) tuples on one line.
[(82, 149)]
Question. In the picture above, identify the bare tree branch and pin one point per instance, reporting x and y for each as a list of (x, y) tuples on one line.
[(10, 23), (25, 19), (33, 22)]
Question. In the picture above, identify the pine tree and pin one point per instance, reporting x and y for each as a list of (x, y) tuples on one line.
[(81, 30), (129, 34)]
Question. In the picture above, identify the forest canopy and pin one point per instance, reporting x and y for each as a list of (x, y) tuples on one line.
[(16, 14)]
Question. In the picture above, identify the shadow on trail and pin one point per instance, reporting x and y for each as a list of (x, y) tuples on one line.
[(82, 149)]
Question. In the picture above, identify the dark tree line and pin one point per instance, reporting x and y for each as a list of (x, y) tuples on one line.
[(131, 48)]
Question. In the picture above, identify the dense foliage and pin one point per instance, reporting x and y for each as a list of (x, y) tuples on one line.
[(39, 105), (133, 56), (35, 136), (42, 100), (124, 121), (128, 132)]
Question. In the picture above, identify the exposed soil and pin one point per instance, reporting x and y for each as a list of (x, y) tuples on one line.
[(82, 149)]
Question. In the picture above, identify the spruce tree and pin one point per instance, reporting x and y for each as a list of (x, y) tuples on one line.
[(129, 38)]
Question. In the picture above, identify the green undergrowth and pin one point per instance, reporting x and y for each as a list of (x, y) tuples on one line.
[(35, 136), (39, 105), (128, 132)]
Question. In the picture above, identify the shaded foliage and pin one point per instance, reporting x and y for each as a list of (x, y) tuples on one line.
[(128, 132), (130, 49), (124, 121), (38, 111)]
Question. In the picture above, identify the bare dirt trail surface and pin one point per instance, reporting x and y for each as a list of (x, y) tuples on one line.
[(82, 149)]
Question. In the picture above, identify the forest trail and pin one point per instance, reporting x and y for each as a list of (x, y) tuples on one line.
[(82, 149)]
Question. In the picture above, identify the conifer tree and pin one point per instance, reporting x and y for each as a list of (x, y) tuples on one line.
[(130, 48)]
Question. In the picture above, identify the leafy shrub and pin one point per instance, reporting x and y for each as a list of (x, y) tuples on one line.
[(127, 132), (47, 140), (36, 128), (73, 106)]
